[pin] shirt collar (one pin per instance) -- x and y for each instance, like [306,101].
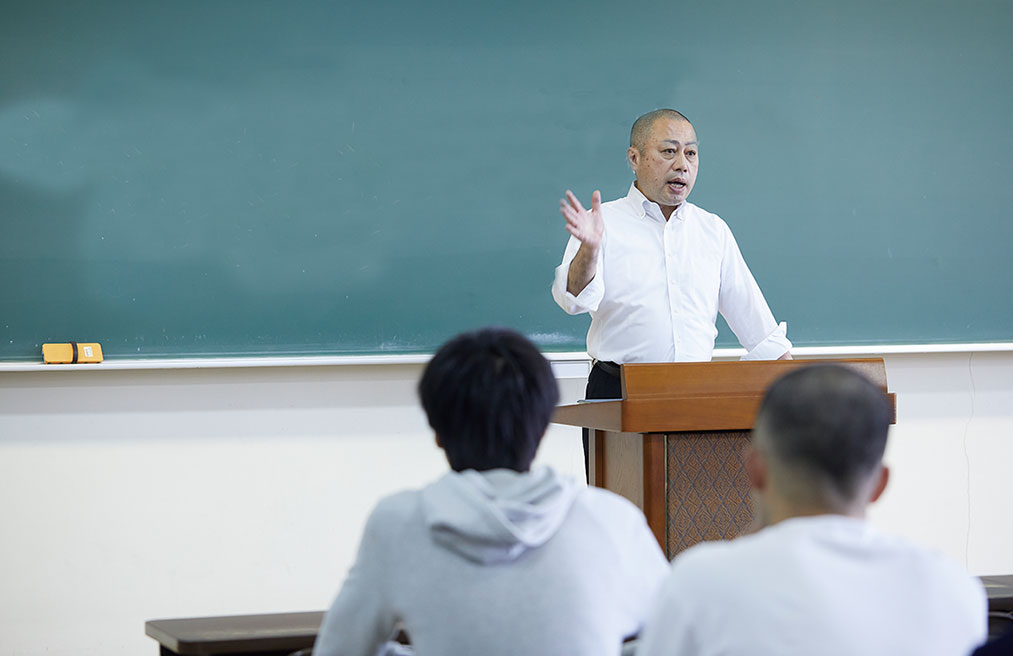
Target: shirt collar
[640,203]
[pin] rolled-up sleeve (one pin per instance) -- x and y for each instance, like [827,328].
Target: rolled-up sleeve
[773,345]
[590,297]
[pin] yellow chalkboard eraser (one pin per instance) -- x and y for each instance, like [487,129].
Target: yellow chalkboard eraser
[71,353]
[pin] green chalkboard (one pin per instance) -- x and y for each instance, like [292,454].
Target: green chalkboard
[220,178]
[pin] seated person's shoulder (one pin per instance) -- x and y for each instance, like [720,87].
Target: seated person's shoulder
[614,515]
[609,503]
[395,511]
[720,566]
[712,558]
[933,568]
[399,503]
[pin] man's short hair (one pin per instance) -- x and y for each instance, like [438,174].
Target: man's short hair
[489,395]
[826,423]
[641,129]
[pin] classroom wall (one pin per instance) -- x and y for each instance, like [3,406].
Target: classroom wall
[140,494]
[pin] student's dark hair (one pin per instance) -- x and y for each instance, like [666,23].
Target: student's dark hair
[641,129]
[827,421]
[489,395]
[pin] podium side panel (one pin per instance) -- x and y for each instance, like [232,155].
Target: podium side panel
[624,466]
[655,486]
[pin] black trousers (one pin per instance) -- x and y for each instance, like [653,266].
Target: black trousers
[602,383]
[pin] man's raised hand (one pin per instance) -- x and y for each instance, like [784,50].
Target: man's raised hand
[587,226]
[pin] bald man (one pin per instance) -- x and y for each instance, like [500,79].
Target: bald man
[653,270]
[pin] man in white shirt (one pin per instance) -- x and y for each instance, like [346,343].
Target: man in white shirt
[816,578]
[654,270]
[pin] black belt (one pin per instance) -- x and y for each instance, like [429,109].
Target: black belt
[611,368]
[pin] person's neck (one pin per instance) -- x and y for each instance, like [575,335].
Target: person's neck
[776,511]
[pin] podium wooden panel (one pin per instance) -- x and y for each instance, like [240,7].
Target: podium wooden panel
[673,444]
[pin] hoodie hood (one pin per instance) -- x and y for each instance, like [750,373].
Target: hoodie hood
[495,516]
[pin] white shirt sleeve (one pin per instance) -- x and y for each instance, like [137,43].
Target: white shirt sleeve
[741,303]
[773,345]
[591,296]
[671,628]
[645,568]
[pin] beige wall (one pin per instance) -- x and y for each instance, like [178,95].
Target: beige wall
[136,494]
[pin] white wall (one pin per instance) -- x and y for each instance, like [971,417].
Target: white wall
[138,494]
[950,456]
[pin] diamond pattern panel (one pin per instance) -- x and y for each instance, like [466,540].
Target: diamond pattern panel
[708,490]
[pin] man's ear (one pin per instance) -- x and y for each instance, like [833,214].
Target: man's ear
[756,469]
[633,157]
[438,442]
[884,478]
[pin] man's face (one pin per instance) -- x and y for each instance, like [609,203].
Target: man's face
[666,164]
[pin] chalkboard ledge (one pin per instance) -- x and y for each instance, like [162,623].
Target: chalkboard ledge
[566,365]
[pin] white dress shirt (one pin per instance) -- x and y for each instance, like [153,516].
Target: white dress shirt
[828,585]
[659,285]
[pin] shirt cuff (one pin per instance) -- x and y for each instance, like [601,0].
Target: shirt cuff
[586,301]
[773,345]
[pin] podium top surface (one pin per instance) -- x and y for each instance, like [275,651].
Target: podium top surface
[696,396]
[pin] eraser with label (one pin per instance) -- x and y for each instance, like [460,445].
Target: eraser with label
[71,353]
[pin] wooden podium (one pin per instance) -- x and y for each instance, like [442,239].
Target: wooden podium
[673,444]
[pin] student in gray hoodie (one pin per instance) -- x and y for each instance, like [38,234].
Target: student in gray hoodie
[493,557]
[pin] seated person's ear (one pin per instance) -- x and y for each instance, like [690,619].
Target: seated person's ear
[884,478]
[756,469]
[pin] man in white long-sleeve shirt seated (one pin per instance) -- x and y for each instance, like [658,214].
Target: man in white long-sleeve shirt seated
[817,578]
[494,557]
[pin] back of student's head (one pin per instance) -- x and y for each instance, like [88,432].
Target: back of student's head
[489,395]
[824,426]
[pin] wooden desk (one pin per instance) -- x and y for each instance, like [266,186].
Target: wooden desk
[280,634]
[276,634]
[1000,593]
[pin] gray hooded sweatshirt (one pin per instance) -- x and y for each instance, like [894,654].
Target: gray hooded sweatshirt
[498,562]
